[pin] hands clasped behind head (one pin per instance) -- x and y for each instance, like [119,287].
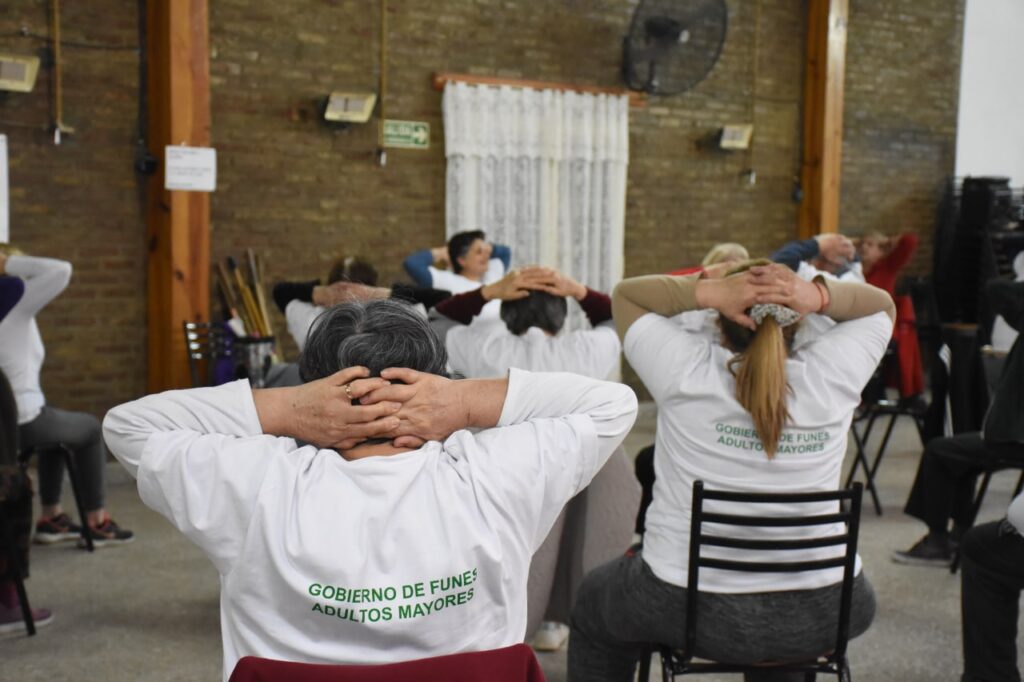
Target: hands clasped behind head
[417,408]
[760,284]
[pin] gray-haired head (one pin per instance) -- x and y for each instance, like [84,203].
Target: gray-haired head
[539,309]
[374,334]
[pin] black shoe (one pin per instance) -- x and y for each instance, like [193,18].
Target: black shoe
[108,533]
[56,529]
[929,551]
[914,404]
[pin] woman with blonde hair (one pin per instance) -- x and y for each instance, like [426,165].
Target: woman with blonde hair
[743,410]
[725,252]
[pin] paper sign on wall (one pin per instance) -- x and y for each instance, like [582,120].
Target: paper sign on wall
[193,169]
[5,215]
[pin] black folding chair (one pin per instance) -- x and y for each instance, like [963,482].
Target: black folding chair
[680,661]
[205,344]
[876,405]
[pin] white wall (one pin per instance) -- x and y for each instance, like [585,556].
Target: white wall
[4,211]
[990,129]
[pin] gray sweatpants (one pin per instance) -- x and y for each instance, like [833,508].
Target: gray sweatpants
[623,606]
[82,433]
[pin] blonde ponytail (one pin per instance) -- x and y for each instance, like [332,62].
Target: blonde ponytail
[761,386]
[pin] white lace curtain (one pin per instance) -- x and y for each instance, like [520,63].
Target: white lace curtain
[543,171]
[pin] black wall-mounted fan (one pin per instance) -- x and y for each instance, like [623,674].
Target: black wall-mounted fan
[673,44]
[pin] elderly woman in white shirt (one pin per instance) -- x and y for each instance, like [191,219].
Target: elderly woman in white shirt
[394,532]
[745,412]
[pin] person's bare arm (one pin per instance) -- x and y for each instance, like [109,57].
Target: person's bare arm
[321,412]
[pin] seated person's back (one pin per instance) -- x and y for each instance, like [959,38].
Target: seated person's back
[374,553]
[530,334]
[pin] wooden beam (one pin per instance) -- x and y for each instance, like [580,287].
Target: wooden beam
[178,223]
[636,99]
[823,116]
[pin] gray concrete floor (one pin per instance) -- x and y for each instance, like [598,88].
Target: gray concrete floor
[149,610]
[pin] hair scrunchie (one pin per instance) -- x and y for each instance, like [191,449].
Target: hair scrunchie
[783,316]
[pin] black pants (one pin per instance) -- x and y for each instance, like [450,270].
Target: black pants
[992,577]
[643,466]
[946,478]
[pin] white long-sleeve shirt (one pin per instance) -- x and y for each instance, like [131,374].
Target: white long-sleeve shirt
[21,346]
[486,348]
[300,316]
[704,433]
[379,559]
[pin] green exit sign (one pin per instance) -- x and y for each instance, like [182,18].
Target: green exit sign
[406,134]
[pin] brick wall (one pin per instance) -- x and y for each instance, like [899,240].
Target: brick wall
[80,201]
[301,193]
[899,126]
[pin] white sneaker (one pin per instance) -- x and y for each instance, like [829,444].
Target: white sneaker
[551,636]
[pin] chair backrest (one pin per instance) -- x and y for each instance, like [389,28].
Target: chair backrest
[874,389]
[992,362]
[205,343]
[8,423]
[515,663]
[699,538]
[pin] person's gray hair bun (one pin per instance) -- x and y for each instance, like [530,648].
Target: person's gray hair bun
[783,316]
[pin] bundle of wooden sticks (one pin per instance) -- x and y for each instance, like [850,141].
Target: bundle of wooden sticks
[245,299]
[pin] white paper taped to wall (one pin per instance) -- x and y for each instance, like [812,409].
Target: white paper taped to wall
[5,213]
[193,169]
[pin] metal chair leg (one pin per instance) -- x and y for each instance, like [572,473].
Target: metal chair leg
[69,461]
[861,457]
[645,665]
[919,423]
[667,673]
[878,458]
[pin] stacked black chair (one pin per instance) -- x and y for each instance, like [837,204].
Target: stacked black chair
[205,344]
[848,501]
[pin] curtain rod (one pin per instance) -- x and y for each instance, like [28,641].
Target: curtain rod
[636,99]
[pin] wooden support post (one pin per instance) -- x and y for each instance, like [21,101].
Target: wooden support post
[823,116]
[178,223]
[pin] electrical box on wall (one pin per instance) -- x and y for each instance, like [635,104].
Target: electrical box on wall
[349,107]
[18,72]
[736,136]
